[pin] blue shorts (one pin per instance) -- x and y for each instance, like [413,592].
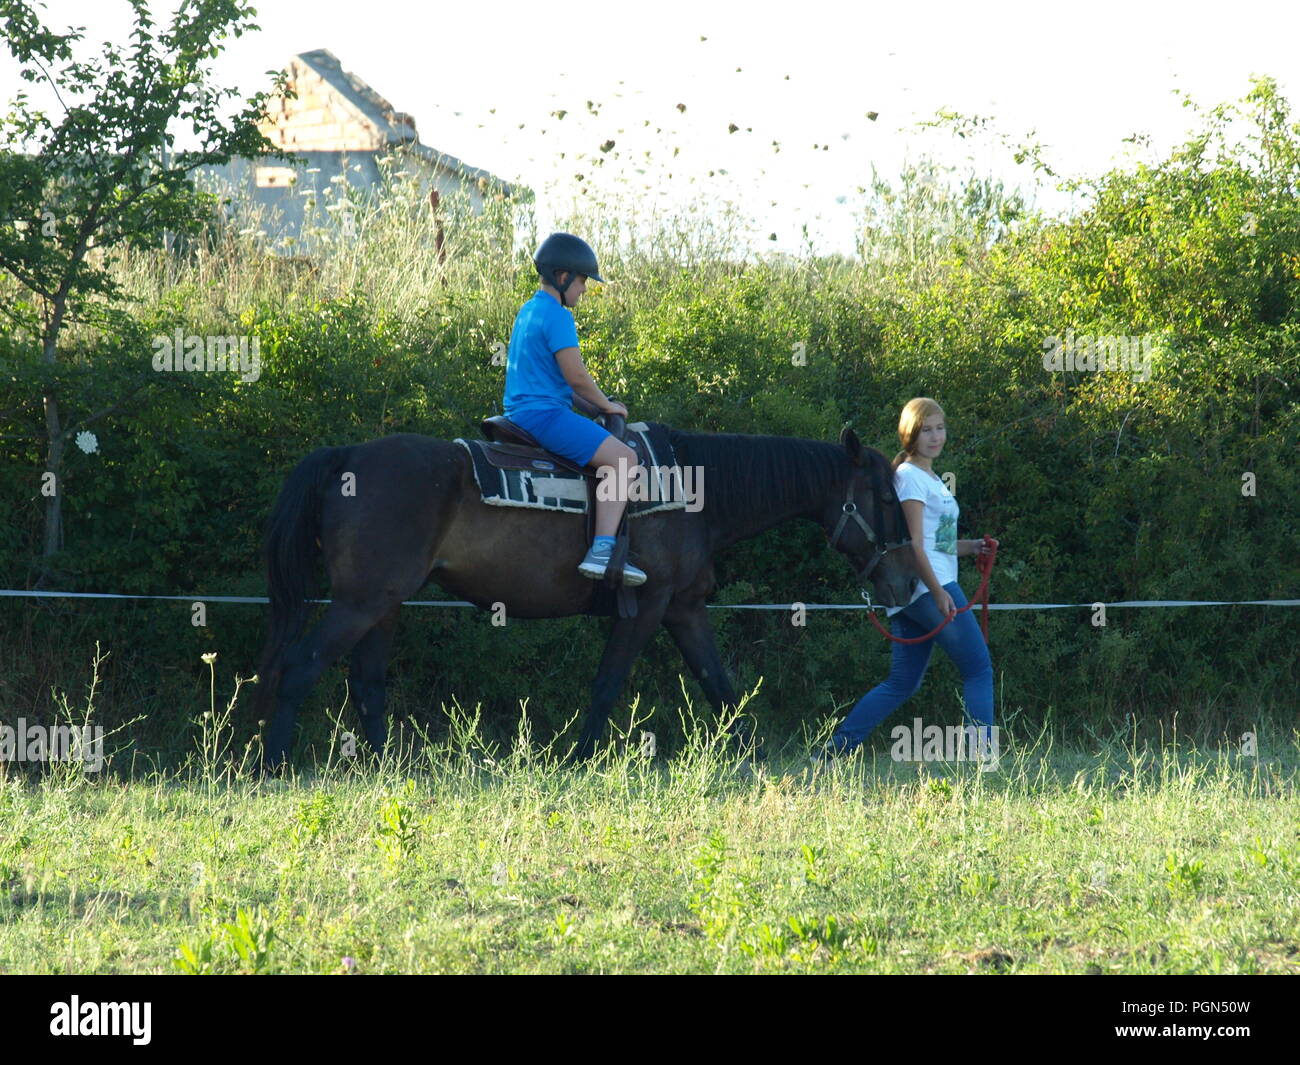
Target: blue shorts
[563,431]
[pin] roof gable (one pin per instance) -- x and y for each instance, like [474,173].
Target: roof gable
[334,110]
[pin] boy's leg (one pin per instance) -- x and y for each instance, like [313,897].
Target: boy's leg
[582,441]
[613,460]
[616,464]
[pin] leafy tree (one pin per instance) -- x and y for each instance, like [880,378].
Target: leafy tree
[102,176]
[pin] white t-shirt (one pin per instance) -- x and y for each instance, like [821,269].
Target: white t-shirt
[939,524]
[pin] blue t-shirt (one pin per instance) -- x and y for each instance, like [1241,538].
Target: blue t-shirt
[533,378]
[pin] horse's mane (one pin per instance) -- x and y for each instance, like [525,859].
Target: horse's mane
[778,472]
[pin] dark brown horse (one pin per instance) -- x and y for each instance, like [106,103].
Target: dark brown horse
[391,514]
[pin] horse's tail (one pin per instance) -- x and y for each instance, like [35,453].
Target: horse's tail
[291,552]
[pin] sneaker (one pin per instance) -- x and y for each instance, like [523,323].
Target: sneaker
[825,757]
[597,559]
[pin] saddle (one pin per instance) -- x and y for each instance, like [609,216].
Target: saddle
[513,448]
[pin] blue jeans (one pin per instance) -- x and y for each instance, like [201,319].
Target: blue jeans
[965,645]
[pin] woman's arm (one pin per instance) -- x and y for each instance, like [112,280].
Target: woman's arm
[970,547]
[914,511]
[580,380]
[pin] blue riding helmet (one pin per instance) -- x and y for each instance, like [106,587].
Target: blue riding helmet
[564,251]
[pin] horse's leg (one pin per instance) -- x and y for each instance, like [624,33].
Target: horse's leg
[366,678]
[688,624]
[339,630]
[625,643]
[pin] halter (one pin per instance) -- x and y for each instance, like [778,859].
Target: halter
[850,511]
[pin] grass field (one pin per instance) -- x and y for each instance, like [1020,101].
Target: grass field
[1122,858]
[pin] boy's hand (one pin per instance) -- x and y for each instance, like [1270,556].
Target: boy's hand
[615,408]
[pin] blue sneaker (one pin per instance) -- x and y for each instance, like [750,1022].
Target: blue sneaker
[822,758]
[597,559]
[827,756]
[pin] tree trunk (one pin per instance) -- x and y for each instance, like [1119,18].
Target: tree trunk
[54,433]
[54,465]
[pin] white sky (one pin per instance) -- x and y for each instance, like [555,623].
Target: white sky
[1083,76]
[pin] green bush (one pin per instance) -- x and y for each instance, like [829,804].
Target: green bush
[1100,487]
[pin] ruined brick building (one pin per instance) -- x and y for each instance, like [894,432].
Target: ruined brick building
[341,128]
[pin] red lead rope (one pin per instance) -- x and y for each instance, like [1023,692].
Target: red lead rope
[985,565]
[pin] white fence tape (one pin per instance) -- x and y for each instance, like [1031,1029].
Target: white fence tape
[22,594]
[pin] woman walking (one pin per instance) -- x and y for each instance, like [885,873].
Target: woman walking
[931,512]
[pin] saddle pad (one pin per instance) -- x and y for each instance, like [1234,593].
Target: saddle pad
[546,485]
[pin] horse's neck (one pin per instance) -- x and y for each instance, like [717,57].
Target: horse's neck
[739,527]
[802,499]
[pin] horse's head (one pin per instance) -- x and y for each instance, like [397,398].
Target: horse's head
[867,525]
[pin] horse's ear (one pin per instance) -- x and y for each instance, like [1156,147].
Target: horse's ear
[850,442]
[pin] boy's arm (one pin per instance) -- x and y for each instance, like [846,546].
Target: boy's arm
[575,373]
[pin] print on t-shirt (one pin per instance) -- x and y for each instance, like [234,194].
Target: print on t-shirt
[945,536]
